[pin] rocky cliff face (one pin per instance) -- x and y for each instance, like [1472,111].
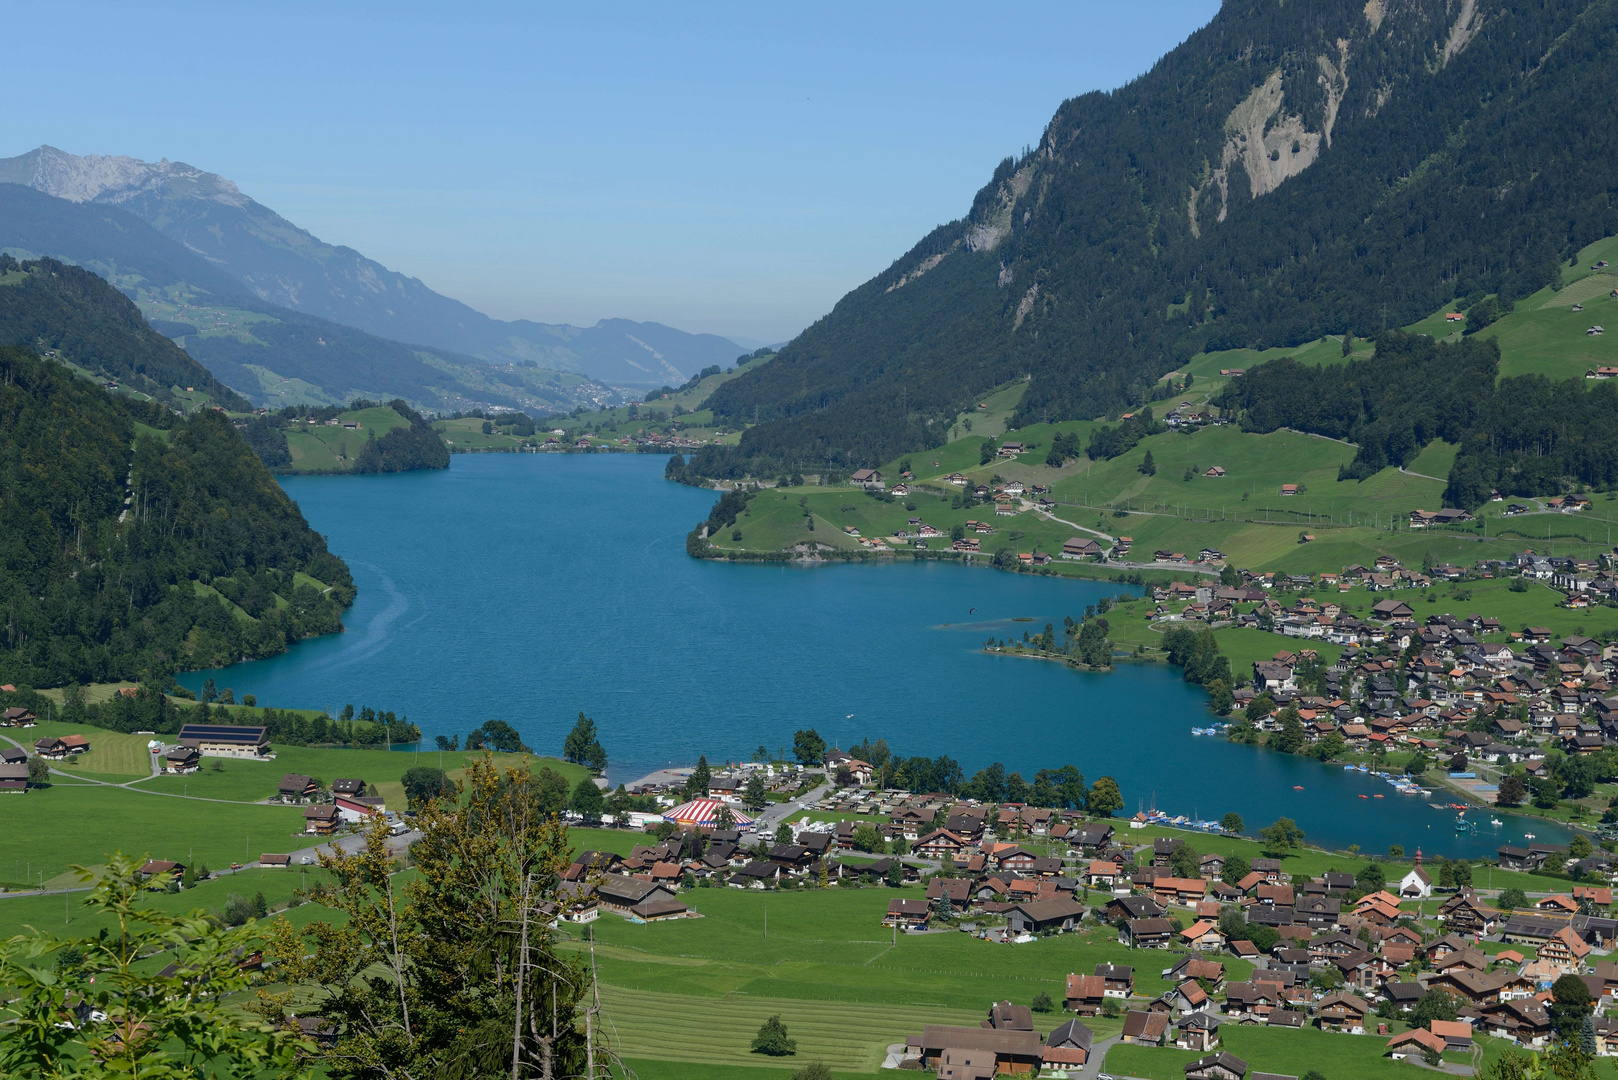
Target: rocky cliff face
[98,178]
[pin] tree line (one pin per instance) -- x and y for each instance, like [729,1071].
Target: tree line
[1527,435]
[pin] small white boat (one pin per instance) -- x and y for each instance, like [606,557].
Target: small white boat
[1496,822]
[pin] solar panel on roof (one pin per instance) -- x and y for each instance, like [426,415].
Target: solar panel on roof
[226,731]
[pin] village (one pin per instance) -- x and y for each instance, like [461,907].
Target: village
[1400,950]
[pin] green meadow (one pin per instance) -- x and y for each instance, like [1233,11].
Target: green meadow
[241,780]
[829,945]
[50,829]
[318,448]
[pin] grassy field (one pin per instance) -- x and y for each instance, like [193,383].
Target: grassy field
[318,448]
[68,915]
[111,753]
[649,1024]
[50,829]
[829,945]
[250,781]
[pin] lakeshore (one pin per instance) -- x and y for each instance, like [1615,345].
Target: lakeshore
[420,638]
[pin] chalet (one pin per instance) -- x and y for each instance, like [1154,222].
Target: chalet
[55,749]
[1119,979]
[958,890]
[1204,936]
[1289,489]
[1156,933]
[1068,1046]
[1221,1065]
[17,717]
[1466,914]
[866,478]
[295,787]
[1009,1052]
[1199,1031]
[638,899]
[1565,950]
[14,775]
[1086,994]
[349,786]
[1101,874]
[1132,907]
[1187,998]
[940,844]
[1415,1043]
[1045,916]
[1522,1020]
[1143,1028]
[908,914]
[181,760]
[1013,859]
[1080,547]
[320,820]
[1342,1011]
[1209,973]
[153,867]
[756,874]
[1252,1002]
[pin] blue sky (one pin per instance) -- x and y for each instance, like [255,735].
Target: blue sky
[724,168]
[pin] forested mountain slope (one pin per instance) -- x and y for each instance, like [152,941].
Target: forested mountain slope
[272,355]
[279,263]
[70,311]
[1290,170]
[135,542]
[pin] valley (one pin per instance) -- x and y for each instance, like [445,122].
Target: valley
[1151,615]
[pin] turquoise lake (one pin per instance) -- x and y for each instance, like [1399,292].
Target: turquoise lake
[529,587]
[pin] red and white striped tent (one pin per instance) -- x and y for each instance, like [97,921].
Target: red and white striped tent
[699,812]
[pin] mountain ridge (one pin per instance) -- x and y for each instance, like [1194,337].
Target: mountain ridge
[1322,167]
[280,263]
[258,348]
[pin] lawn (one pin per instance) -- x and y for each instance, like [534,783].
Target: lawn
[49,829]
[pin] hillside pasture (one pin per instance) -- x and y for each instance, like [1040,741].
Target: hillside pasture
[52,828]
[242,780]
[111,753]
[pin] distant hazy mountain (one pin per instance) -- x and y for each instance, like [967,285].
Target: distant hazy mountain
[282,264]
[272,355]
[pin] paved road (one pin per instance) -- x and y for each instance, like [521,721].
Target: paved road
[1098,1058]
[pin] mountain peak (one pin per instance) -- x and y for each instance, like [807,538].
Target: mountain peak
[113,179]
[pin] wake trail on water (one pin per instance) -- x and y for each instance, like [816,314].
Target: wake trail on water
[379,631]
